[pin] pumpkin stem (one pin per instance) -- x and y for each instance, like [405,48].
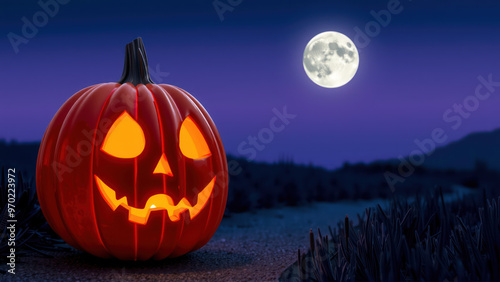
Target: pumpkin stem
[135,69]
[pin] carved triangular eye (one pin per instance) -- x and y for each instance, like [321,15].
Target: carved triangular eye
[191,141]
[125,138]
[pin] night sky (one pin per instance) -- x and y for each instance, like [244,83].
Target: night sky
[425,60]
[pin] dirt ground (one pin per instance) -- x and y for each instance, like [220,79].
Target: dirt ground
[247,247]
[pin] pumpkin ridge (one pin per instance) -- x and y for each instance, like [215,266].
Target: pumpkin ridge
[52,153]
[136,236]
[59,189]
[220,149]
[182,167]
[98,231]
[160,243]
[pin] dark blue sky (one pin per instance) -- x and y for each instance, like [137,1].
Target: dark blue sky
[427,59]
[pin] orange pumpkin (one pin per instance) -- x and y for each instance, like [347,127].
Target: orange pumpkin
[133,170]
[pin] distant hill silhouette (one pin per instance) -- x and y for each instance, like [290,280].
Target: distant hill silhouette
[473,151]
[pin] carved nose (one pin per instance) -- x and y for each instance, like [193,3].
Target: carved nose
[163,166]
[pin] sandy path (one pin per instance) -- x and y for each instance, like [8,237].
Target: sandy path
[249,246]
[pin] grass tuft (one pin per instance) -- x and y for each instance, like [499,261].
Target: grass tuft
[423,240]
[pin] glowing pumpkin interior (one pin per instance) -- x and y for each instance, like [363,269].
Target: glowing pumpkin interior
[125,139]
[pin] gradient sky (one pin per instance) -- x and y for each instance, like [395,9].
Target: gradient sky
[423,62]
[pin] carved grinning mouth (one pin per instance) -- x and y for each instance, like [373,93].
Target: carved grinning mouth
[156,202]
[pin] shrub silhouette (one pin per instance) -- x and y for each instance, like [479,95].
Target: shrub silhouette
[32,231]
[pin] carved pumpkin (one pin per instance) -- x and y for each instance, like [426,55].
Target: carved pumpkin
[133,170]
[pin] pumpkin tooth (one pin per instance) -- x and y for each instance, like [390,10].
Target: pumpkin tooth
[109,195]
[120,195]
[156,202]
[203,198]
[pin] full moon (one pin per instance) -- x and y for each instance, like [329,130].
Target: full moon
[331,59]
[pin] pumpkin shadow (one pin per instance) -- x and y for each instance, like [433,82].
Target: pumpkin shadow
[199,261]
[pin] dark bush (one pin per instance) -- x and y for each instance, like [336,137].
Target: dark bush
[32,231]
[291,195]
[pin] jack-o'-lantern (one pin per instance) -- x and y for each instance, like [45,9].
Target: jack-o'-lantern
[133,170]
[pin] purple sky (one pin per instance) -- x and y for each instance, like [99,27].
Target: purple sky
[427,59]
